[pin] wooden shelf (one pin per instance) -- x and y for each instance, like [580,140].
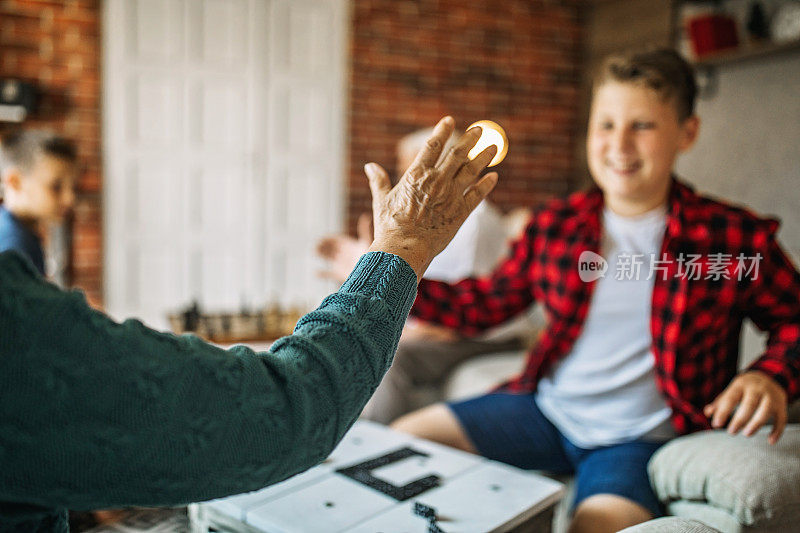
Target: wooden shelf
[740,54]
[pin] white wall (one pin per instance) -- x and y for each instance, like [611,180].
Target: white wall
[749,146]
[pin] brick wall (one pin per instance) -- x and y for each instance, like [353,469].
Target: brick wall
[516,62]
[56,45]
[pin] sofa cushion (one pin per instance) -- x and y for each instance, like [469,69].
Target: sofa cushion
[746,477]
[793,416]
[670,524]
[481,374]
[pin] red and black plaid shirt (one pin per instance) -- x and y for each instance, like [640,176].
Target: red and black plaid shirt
[695,323]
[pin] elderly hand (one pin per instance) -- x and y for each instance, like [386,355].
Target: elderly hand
[759,398]
[419,216]
[342,251]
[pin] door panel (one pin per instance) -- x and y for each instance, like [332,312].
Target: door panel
[224,151]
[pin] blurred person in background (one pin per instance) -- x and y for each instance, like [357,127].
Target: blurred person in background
[37,174]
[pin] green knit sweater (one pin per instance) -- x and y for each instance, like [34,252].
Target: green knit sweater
[96,414]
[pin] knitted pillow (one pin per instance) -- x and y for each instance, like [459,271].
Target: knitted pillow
[757,484]
[670,524]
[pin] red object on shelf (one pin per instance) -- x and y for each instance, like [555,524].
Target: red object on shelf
[711,33]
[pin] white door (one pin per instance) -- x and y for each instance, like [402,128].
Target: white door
[224,151]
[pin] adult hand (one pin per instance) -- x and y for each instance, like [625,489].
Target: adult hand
[759,399]
[419,216]
[342,251]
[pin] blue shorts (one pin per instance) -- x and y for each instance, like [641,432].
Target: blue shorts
[510,428]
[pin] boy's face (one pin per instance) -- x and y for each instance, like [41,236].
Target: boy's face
[633,140]
[46,192]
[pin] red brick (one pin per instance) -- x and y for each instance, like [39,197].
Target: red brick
[412,62]
[515,62]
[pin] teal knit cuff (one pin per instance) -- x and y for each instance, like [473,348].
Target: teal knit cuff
[386,277]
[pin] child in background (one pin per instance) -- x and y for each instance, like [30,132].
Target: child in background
[37,173]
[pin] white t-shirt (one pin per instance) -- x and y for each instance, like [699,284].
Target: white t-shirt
[604,392]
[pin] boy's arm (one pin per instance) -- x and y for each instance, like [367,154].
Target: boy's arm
[761,393]
[99,414]
[476,304]
[775,308]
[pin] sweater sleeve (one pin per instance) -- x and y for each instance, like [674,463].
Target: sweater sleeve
[99,414]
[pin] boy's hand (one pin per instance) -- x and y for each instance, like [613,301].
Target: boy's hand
[418,330]
[419,216]
[342,251]
[759,398]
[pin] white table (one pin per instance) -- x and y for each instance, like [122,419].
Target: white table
[467,492]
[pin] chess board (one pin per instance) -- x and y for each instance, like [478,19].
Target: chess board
[379,480]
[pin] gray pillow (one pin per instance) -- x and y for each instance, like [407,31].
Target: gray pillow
[670,524]
[754,482]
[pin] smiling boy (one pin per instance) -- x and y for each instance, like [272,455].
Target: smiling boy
[37,172]
[638,356]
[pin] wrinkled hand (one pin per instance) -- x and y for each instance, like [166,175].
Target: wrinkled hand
[343,251]
[419,216]
[759,398]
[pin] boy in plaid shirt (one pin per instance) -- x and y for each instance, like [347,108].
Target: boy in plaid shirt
[645,284]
